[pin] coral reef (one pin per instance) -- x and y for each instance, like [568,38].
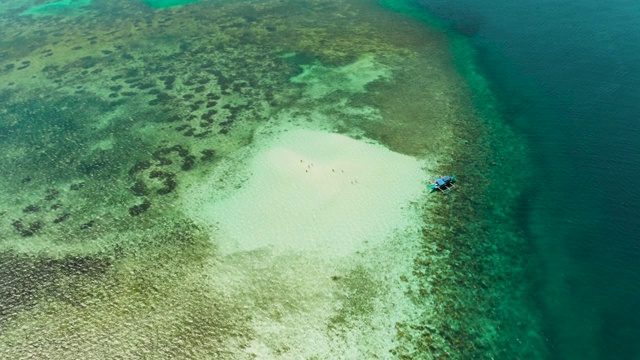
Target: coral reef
[112,109]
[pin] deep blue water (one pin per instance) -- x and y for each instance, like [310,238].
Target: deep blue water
[568,72]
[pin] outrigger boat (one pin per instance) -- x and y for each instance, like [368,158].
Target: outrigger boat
[443,183]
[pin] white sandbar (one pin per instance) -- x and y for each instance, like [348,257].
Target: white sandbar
[318,191]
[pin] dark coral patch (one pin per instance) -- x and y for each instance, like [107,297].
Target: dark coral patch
[24,65]
[203,134]
[51,70]
[87,62]
[96,163]
[174,118]
[31,209]
[77,186]
[188,162]
[144,86]
[160,153]
[131,75]
[27,230]
[208,117]
[87,225]
[139,188]
[51,194]
[61,218]
[163,98]
[169,185]
[139,166]
[207,155]
[136,210]
[157,174]
[163,161]
[168,81]
[168,179]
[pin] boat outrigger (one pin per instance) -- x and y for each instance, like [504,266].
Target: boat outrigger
[443,183]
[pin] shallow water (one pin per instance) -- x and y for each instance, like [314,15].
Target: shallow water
[118,114]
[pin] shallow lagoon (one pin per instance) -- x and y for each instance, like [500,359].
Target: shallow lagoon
[120,115]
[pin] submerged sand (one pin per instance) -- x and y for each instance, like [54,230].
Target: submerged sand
[328,216]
